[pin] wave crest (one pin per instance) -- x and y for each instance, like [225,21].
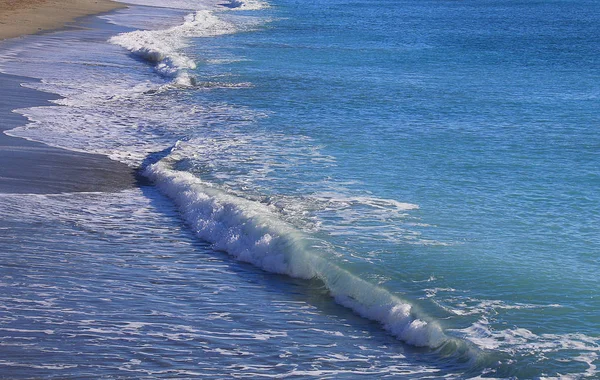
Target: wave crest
[163,48]
[250,231]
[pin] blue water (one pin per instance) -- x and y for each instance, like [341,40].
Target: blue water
[341,188]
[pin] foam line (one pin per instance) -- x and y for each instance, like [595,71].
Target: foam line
[252,232]
[164,48]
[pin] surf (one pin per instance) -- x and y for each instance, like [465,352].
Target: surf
[252,232]
[163,48]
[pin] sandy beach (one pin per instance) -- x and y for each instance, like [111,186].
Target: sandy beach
[30,167]
[19,17]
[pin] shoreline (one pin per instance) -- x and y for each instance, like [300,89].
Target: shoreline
[22,17]
[28,167]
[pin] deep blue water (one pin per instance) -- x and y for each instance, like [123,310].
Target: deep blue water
[414,183]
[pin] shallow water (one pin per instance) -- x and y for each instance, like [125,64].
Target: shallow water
[113,285]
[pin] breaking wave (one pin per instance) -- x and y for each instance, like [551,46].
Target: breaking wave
[164,48]
[252,232]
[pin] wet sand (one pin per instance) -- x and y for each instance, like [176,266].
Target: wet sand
[31,167]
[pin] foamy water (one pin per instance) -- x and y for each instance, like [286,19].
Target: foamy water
[112,284]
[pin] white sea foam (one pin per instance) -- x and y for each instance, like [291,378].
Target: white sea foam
[185,318]
[253,232]
[521,341]
[202,4]
[287,172]
[456,302]
[164,48]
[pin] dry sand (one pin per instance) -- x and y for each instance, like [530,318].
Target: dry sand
[19,17]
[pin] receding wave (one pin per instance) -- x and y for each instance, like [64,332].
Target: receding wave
[252,232]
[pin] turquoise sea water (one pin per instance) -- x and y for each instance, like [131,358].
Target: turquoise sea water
[341,188]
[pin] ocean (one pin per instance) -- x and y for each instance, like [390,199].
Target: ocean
[335,188]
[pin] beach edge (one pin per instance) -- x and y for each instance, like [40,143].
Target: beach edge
[35,168]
